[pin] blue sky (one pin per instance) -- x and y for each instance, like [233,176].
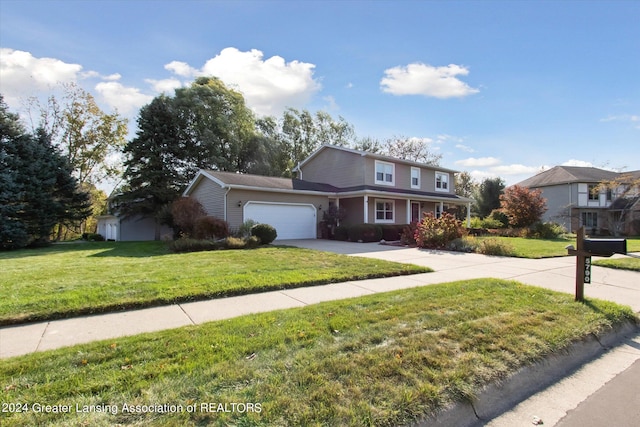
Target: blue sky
[499,88]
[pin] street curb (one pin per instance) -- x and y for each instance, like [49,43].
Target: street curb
[496,399]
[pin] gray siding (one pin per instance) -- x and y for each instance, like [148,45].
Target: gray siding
[141,228]
[559,200]
[335,167]
[211,197]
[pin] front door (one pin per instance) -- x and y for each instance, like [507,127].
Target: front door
[415,211]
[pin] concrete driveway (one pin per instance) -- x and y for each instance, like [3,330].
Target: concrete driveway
[619,286]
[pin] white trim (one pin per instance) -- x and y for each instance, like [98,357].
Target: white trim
[393,211]
[416,186]
[384,173]
[448,182]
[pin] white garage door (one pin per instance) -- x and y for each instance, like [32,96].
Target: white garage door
[291,221]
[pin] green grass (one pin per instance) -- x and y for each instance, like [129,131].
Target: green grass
[384,359]
[71,279]
[632,264]
[533,248]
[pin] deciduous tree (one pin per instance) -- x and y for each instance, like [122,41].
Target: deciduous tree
[523,206]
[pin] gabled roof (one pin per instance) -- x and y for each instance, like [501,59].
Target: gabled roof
[260,182]
[568,174]
[372,155]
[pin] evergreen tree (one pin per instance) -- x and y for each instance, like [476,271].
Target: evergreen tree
[154,166]
[41,191]
[487,196]
[13,233]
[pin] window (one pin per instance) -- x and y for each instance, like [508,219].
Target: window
[590,219]
[385,173]
[442,181]
[384,210]
[415,177]
[438,211]
[593,195]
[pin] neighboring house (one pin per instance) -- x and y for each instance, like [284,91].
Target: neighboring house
[573,202]
[370,188]
[114,227]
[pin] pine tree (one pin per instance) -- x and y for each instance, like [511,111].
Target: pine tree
[154,168]
[40,190]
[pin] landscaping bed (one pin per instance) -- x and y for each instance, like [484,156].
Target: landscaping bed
[384,359]
[92,277]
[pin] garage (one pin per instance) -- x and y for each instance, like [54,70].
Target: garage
[291,220]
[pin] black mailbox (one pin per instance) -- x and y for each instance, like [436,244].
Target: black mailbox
[605,247]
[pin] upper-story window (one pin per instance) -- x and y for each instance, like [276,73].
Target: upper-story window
[415,177]
[442,181]
[385,173]
[593,194]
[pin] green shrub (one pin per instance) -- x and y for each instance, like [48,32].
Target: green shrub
[546,230]
[209,227]
[435,232]
[463,244]
[495,247]
[244,231]
[392,232]
[251,242]
[498,218]
[265,232]
[341,233]
[92,237]
[365,233]
[194,245]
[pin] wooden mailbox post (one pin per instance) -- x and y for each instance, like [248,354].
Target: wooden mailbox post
[583,251]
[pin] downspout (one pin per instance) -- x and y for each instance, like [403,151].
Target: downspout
[225,203]
[468,214]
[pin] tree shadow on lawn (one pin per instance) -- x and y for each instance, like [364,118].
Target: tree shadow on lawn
[106,249]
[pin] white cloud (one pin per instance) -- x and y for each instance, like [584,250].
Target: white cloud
[625,118]
[478,162]
[125,99]
[181,68]
[426,80]
[465,148]
[574,162]
[268,85]
[514,169]
[165,85]
[23,75]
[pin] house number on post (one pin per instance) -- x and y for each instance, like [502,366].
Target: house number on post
[587,269]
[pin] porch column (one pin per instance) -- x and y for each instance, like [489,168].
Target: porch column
[408,211]
[441,208]
[366,209]
[468,214]
[338,209]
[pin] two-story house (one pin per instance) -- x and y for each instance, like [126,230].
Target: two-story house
[574,198]
[368,187]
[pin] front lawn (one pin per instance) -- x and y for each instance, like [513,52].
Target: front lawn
[533,248]
[80,278]
[620,263]
[384,359]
